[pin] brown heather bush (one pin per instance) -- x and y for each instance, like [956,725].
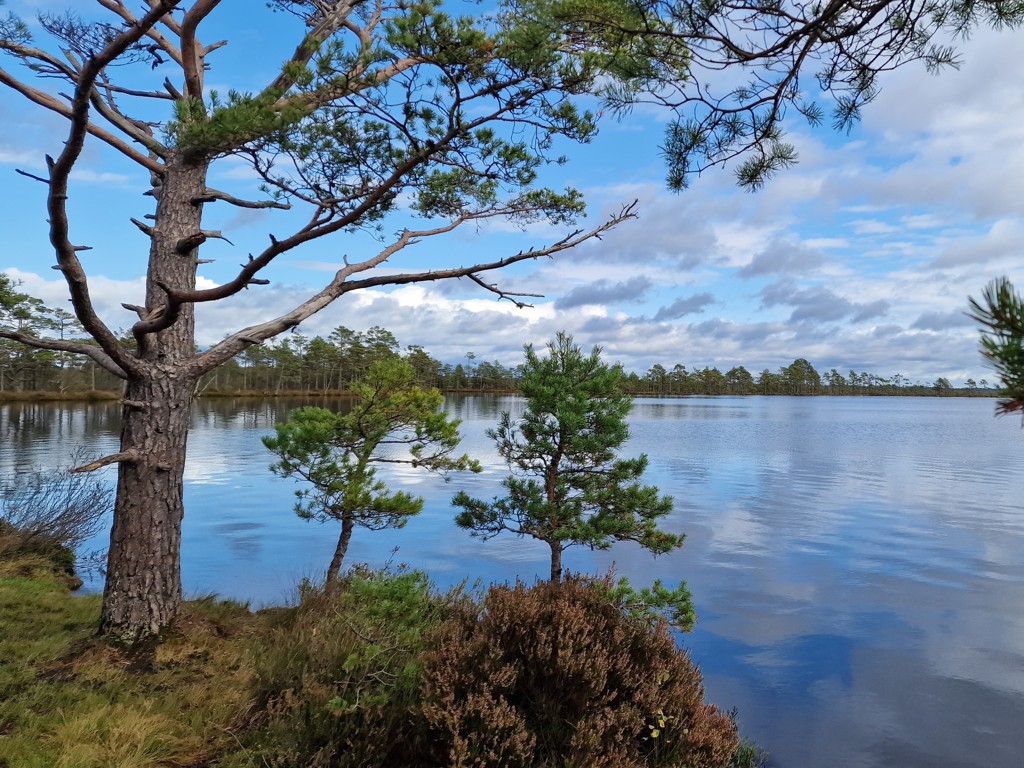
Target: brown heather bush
[557,675]
[389,674]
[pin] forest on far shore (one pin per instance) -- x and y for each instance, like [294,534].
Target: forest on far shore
[298,365]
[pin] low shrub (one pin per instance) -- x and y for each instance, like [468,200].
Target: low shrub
[337,680]
[560,674]
[49,514]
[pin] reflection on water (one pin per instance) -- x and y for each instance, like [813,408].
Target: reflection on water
[38,435]
[857,562]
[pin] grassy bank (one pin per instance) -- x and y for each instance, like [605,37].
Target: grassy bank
[69,700]
[385,673]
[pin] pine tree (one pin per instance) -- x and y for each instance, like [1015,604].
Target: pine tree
[392,421]
[567,486]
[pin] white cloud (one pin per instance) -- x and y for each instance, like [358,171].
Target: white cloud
[99,177]
[22,157]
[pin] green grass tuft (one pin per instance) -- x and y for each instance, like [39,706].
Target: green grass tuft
[68,700]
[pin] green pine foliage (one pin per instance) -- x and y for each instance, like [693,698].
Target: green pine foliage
[392,421]
[1001,312]
[567,486]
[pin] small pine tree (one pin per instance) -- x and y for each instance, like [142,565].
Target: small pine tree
[393,421]
[567,486]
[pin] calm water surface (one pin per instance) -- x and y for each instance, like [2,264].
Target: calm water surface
[857,563]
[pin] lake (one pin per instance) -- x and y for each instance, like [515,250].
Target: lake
[857,563]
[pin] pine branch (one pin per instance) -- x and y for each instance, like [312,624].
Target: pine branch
[341,285]
[60,172]
[96,354]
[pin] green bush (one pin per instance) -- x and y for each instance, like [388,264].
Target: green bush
[559,674]
[337,681]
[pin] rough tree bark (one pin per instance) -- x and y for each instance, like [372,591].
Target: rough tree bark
[143,586]
[556,560]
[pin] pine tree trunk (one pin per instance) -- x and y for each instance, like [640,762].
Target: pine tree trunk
[556,560]
[339,553]
[143,587]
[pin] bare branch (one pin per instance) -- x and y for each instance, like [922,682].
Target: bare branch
[137,130]
[171,90]
[503,294]
[47,101]
[108,109]
[115,458]
[168,21]
[32,176]
[60,171]
[192,53]
[112,88]
[189,243]
[145,228]
[161,317]
[341,285]
[213,195]
[153,34]
[97,355]
[168,315]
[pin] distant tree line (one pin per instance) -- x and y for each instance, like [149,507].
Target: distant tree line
[297,364]
[797,378]
[27,369]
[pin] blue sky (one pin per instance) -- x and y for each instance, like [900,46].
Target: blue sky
[862,257]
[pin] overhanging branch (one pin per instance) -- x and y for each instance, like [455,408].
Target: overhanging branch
[60,171]
[341,285]
[97,355]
